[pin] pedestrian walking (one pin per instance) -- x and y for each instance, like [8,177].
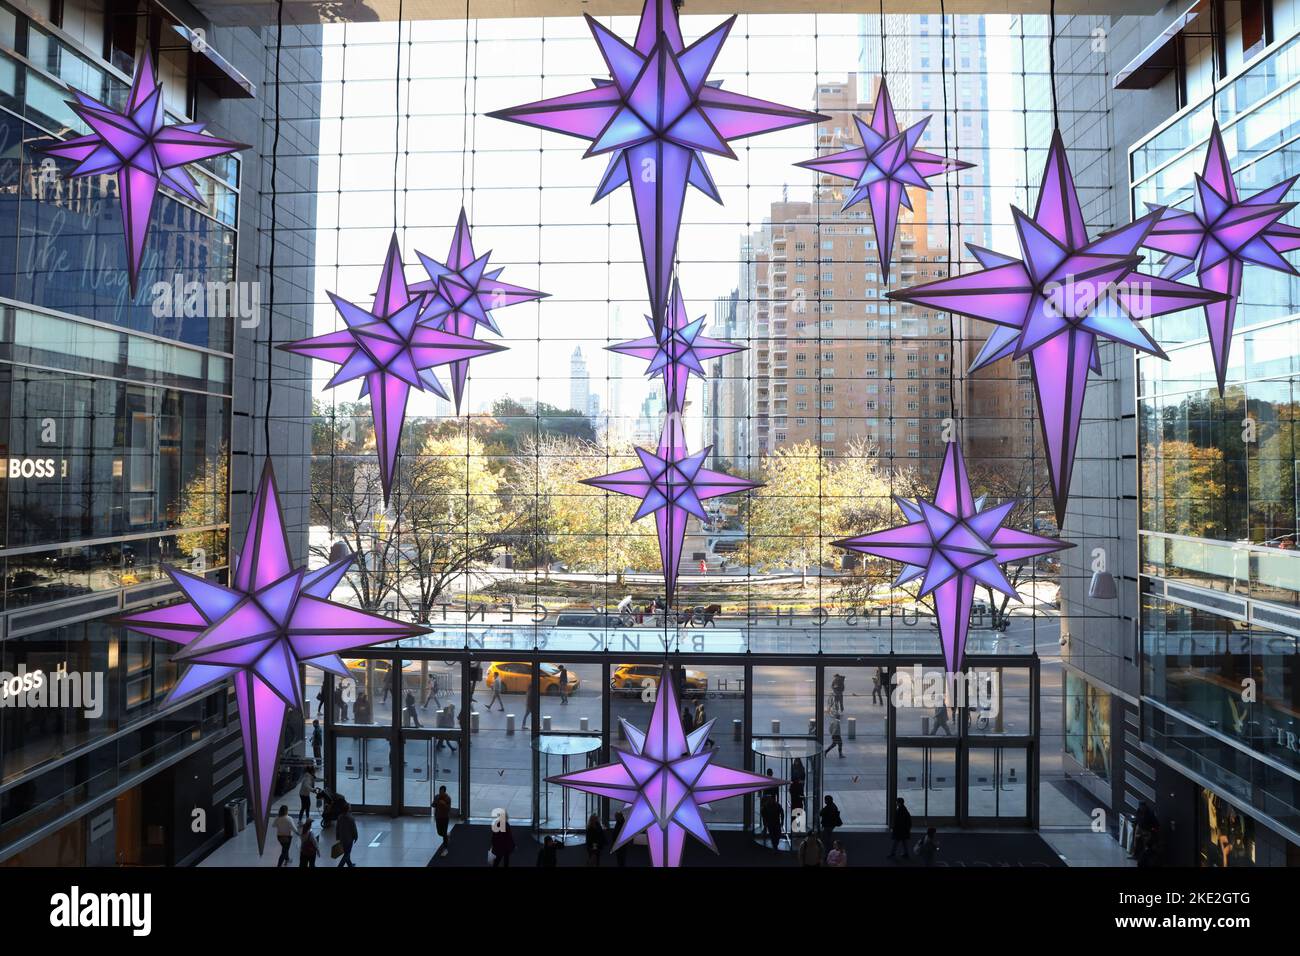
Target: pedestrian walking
[621,853]
[317,741]
[901,830]
[320,702]
[564,684]
[702,718]
[503,843]
[928,846]
[837,741]
[498,686]
[595,840]
[530,703]
[810,850]
[829,818]
[412,715]
[837,856]
[837,693]
[442,819]
[770,813]
[940,719]
[345,832]
[547,854]
[431,693]
[284,827]
[308,848]
[878,687]
[305,789]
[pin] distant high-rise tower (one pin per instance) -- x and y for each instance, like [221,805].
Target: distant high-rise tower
[579,382]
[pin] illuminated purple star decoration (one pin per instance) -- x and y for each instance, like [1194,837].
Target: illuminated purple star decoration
[461,293]
[1220,236]
[659,113]
[888,161]
[393,352]
[671,484]
[143,151]
[258,630]
[1056,301]
[953,545]
[678,350]
[666,777]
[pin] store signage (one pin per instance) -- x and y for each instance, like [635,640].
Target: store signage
[16,468]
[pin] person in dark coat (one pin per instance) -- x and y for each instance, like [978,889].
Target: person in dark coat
[530,703]
[830,818]
[770,813]
[442,819]
[901,831]
[548,854]
[621,853]
[345,831]
[316,741]
[503,843]
[595,840]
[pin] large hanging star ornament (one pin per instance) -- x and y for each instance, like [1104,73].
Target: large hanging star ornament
[461,293]
[671,484]
[666,776]
[271,618]
[953,544]
[1221,234]
[659,114]
[393,352]
[143,150]
[883,167]
[1056,301]
[678,350]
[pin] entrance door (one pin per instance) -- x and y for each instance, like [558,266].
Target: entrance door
[927,781]
[363,772]
[427,764]
[997,784]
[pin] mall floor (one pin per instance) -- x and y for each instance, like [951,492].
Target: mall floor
[410,842]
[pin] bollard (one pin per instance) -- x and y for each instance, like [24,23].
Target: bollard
[446,716]
[776,727]
[584,724]
[925,726]
[812,726]
[473,722]
[510,724]
[736,729]
[853,727]
[546,723]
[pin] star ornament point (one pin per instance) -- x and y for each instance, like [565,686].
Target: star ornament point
[391,352]
[257,630]
[1221,235]
[657,116]
[883,168]
[672,484]
[952,544]
[1056,301]
[678,350]
[665,776]
[143,151]
[461,293]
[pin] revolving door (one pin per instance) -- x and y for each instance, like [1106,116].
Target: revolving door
[562,812]
[797,760]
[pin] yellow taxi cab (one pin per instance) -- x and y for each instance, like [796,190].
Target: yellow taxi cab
[517,675]
[632,677]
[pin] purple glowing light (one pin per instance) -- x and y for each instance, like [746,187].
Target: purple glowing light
[952,543]
[678,351]
[143,151]
[1056,301]
[461,293]
[1220,236]
[672,483]
[666,776]
[657,116]
[392,351]
[883,167]
[271,618]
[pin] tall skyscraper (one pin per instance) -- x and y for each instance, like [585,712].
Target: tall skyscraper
[579,382]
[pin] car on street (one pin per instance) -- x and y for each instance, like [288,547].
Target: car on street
[517,675]
[631,678]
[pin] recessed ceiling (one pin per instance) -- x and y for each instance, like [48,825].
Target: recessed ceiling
[237,12]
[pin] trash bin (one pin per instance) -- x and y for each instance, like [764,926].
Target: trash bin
[241,813]
[231,817]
